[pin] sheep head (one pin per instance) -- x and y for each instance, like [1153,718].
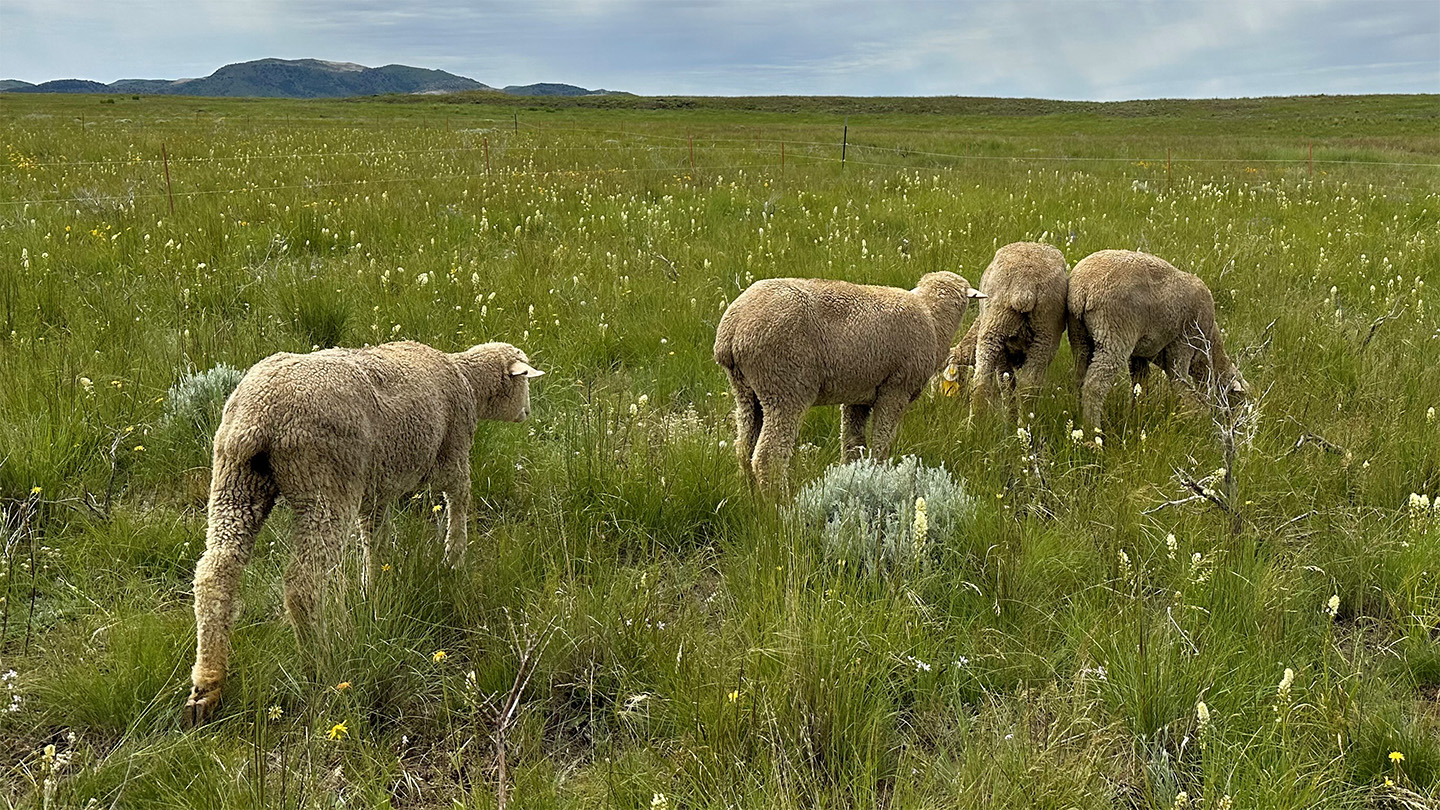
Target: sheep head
[947,295]
[500,375]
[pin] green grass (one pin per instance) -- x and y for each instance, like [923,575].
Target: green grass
[686,639]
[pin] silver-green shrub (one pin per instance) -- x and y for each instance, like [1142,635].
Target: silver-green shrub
[195,401]
[866,510]
[193,407]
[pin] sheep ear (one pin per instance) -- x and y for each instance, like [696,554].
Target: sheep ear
[520,367]
[974,293]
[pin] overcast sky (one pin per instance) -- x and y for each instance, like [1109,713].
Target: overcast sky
[1070,49]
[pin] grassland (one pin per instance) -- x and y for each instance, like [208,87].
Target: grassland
[677,642]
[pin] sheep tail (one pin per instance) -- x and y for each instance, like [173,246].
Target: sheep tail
[243,453]
[1022,300]
[724,350]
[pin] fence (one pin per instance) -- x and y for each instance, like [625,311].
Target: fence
[756,153]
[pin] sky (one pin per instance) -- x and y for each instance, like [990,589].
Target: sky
[1101,50]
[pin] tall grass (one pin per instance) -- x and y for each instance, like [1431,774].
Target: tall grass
[689,645]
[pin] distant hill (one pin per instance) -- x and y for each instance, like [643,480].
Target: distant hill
[547,89]
[65,86]
[297,78]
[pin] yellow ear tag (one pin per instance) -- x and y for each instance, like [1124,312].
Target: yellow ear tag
[948,385]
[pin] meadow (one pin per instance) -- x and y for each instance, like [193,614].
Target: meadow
[1202,610]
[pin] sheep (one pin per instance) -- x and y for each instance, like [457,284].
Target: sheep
[790,343]
[1018,330]
[1127,309]
[340,434]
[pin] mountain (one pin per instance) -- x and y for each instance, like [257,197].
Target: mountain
[547,89]
[65,86]
[297,78]
[312,78]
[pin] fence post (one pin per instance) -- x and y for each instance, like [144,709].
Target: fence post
[517,121]
[844,141]
[165,157]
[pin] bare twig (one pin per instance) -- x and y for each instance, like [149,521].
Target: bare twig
[1247,353]
[1177,502]
[1306,437]
[1200,491]
[527,651]
[1396,310]
[102,508]
[672,273]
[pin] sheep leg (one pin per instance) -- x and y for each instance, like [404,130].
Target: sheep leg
[779,430]
[371,519]
[1030,377]
[1105,367]
[240,500]
[748,424]
[457,515]
[1082,346]
[321,523]
[989,364]
[1139,370]
[853,419]
[1180,363]
[962,356]
[885,417]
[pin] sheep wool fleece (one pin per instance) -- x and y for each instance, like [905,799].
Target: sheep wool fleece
[339,434]
[1020,324]
[1127,309]
[790,343]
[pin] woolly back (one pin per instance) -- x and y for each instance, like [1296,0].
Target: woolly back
[1023,275]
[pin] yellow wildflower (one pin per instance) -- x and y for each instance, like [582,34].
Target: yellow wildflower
[438,656]
[1397,757]
[342,686]
[338,731]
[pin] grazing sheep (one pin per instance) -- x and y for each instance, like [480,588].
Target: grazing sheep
[1128,309]
[1018,330]
[790,343]
[339,434]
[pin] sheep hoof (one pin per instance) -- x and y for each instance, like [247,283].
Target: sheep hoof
[200,706]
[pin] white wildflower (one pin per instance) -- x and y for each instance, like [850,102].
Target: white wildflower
[922,524]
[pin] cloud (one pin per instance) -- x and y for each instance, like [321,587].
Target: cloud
[1098,49]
